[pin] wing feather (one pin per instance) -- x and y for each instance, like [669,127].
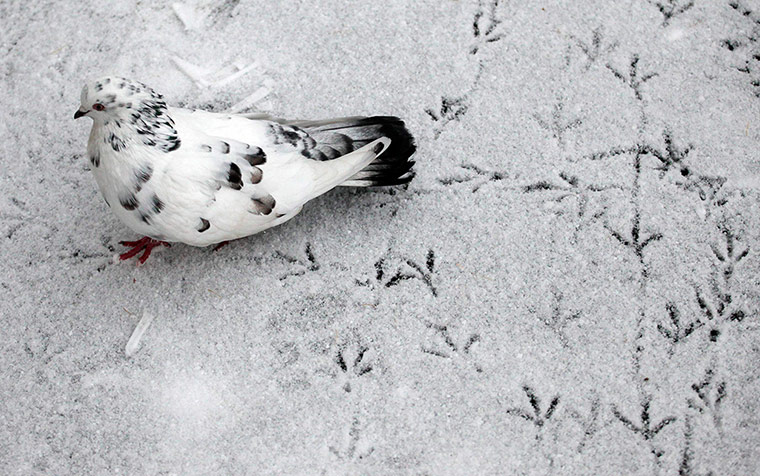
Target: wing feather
[273,157]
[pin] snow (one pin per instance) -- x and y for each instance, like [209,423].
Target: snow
[569,285]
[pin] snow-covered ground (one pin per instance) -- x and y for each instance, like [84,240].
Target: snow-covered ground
[569,286]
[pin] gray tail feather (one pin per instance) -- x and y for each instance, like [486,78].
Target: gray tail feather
[392,167]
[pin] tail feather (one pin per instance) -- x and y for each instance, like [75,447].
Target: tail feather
[342,136]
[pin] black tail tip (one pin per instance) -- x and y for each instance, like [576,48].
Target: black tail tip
[394,165]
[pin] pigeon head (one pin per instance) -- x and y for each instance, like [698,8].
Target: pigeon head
[138,113]
[114,97]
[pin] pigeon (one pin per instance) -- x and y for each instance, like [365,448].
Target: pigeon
[204,178]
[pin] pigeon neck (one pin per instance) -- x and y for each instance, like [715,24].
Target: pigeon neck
[150,127]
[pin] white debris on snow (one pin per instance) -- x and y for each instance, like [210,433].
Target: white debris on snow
[190,15]
[134,340]
[229,74]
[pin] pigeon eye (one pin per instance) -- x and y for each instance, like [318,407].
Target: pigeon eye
[98,107]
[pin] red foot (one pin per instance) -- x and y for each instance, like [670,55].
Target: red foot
[221,245]
[145,243]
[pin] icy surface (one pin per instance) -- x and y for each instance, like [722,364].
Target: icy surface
[569,286]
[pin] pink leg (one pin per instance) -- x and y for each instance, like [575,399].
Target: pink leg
[145,244]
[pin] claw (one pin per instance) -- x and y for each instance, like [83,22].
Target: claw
[145,244]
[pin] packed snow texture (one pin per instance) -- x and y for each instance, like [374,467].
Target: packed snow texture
[569,286]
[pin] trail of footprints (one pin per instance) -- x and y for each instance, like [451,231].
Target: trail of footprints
[671,162]
[352,363]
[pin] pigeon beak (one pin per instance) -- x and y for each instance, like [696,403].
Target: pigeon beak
[80,113]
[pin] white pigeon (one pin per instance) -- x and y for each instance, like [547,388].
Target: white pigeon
[201,178]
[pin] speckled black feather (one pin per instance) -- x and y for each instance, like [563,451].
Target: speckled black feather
[234,177]
[129,202]
[151,119]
